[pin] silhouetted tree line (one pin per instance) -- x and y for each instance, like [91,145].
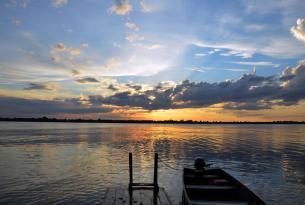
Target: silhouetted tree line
[46,119]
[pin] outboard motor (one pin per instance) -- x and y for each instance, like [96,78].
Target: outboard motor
[199,164]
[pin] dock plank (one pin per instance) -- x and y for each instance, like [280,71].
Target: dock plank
[110,196]
[121,196]
[163,197]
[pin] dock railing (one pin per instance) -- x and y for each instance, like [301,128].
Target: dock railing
[153,185]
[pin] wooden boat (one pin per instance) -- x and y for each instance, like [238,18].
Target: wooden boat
[215,187]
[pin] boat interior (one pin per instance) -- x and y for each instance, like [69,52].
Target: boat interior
[215,187]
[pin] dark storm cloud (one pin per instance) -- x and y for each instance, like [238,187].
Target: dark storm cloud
[40,86]
[87,80]
[293,88]
[247,106]
[250,92]
[12,106]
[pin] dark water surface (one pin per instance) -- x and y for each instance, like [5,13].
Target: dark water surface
[66,163]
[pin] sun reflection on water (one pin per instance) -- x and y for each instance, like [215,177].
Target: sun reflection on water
[75,163]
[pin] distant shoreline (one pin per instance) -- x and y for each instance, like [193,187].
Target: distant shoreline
[45,119]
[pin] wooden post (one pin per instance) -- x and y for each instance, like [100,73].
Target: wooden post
[130,172]
[156,187]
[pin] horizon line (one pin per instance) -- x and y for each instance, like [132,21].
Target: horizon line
[78,120]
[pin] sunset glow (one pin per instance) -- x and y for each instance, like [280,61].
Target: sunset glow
[153,59]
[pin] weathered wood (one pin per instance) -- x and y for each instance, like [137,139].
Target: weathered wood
[122,196]
[156,172]
[142,184]
[119,196]
[110,196]
[130,171]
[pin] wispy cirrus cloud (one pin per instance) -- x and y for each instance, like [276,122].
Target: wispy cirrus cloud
[280,47]
[235,49]
[121,7]
[150,46]
[145,7]
[200,70]
[199,55]
[256,63]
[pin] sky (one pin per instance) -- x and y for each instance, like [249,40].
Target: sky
[153,59]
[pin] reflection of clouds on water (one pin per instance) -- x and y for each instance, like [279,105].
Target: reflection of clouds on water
[74,163]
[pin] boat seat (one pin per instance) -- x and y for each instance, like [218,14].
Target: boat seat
[209,187]
[195,202]
[207,176]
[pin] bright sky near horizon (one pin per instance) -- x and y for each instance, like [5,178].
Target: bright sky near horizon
[153,59]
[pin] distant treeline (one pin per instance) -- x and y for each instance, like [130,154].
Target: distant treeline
[46,119]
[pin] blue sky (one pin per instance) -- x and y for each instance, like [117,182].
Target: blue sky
[55,49]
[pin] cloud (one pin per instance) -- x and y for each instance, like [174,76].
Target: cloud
[134,87]
[236,70]
[247,106]
[111,63]
[275,46]
[211,52]
[200,70]
[134,37]
[116,45]
[132,26]
[87,80]
[199,55]
[41,86]
[55,59]
[20,107]
[257,63]
[59,3]
[74,51]
[293,84]
[237,53]
[16,21]
[60,47]
[250,92]
[111,87]
[75,72]
[254,27]
[228,49]
[61,51]
[84,45]
[24,3]
[150,47]
[121,7]
[144,7]
[298,31]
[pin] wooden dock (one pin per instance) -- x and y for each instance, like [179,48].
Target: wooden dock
[138,193]
[122,196]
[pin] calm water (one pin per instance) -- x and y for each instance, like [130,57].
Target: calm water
[74,163]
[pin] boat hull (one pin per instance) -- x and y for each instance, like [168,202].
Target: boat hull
[215,187]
